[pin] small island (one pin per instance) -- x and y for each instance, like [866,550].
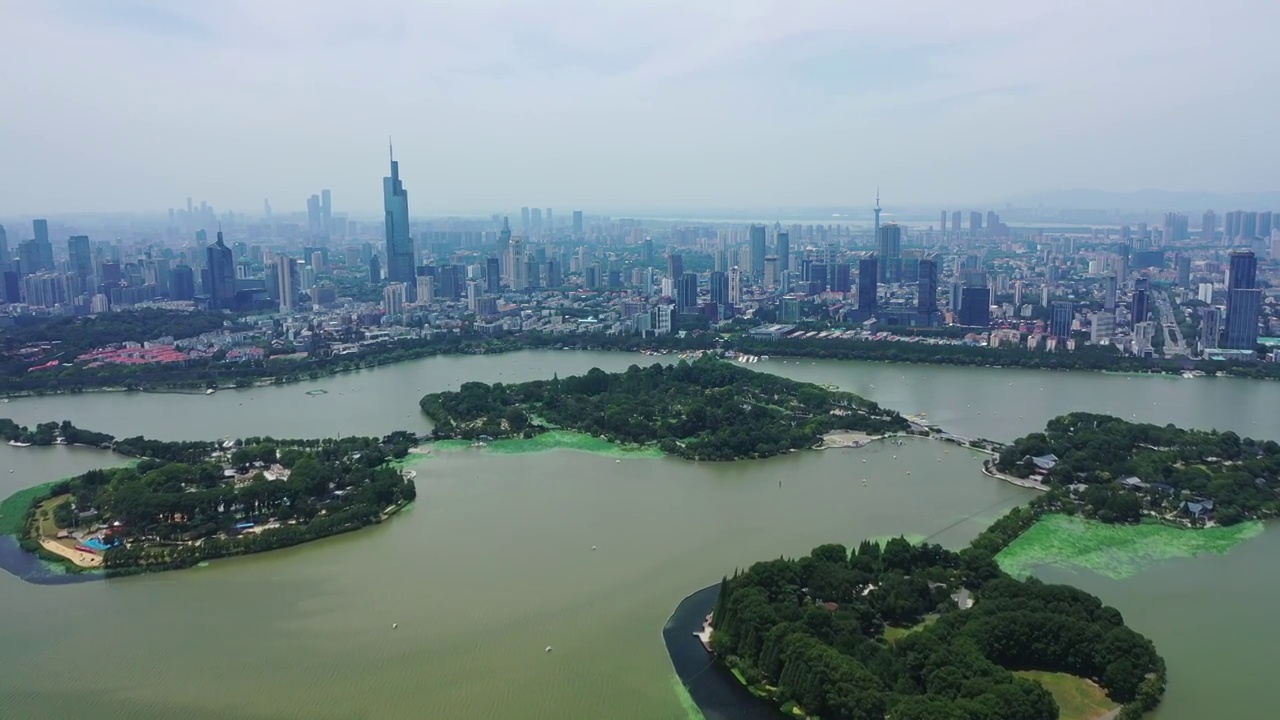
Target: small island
[183,503]
[1115,471]
[707,409]
[919,632]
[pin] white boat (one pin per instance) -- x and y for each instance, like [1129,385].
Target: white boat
[210,391]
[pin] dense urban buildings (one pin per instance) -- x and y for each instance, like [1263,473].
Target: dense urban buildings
[1149,286]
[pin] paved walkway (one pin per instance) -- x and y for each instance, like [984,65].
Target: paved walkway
[1020,482]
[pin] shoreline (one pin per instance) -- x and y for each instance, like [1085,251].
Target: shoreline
[990,472]
[270,380]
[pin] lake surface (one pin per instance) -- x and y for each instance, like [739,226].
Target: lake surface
[494,563]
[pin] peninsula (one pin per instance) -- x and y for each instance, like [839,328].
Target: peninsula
[1113,470]
[186,502]
[707,409]
[919,632]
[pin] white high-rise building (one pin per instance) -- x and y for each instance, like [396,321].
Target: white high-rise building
[735,286]
[1205,293]
[516,261]
[284,278]
[426,289]
[393,296]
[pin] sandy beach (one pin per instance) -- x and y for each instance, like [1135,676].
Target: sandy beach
[82,559]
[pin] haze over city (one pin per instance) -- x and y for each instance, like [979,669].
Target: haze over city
[628,107]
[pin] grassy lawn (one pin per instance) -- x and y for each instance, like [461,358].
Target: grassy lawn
[13,510]
[1078,699]
[44,515]
[894,634]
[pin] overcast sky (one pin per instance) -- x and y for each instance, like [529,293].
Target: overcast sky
[615,105]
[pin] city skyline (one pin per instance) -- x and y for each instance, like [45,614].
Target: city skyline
[948,111]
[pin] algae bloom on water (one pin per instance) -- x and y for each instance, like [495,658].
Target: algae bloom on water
[1114,551]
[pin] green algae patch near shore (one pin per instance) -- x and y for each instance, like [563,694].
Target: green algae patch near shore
[567,440]
[682,694]
[1114,551]
[13,509]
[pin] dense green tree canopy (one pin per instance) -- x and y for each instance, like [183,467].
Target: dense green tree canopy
[1171,467]
[812,628]
[704,410]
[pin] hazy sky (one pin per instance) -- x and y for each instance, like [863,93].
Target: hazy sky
[615,105]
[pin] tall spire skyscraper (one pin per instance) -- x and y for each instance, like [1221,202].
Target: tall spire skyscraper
[395,201]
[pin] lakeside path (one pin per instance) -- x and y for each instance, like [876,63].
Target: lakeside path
[990,471]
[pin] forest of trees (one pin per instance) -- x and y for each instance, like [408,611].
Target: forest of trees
[1173,466]
[810,632]
[704,410]
[1085,358]
[178,505]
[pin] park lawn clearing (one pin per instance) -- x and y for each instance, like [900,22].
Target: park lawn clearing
[1078,698]
[13,510]
[894,634]
[45,524]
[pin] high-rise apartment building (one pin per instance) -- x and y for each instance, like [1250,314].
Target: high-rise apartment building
[286,281]
[393,299]
[687,292]
[784,251]
[577,222]
[758,233]
[1208,227]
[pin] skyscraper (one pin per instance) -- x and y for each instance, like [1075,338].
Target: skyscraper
[395,201]
[942,223]
[687,292]
[1244,302]
[955,223]
[1109,294]
[1139,308]
[504,250]
[393,297]
[314,220]
[675,266]
[81,257]
[868,278]
[735,286]
[222,275]
[889,238]
[927,291]
[4,249]
[493,276]
[975,307]
[42,257]
[1060,319]
[975,223]
[840,280]
[757,250]
[784,252]
[182,283]
[577,222]
[516,264]
[720,290]
[1210,327]
[286,282]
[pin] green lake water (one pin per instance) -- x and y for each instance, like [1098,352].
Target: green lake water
[494,561]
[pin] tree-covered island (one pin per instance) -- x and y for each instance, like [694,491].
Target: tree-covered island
[186,502]
[1117,471]
[704,410]
[918,632]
